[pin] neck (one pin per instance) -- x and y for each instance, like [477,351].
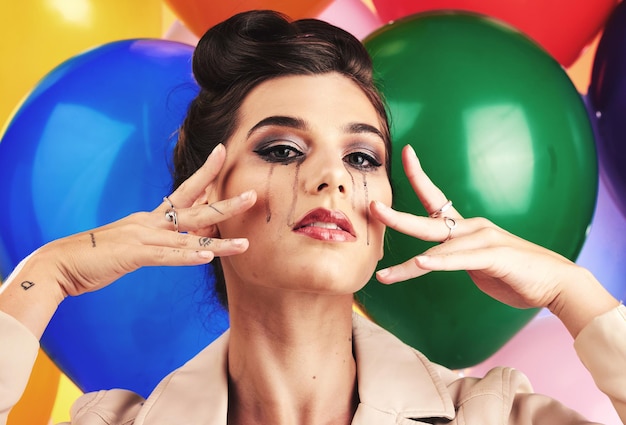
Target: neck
[290,358]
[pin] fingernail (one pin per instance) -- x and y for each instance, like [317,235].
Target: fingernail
[380,205]
[205,254]
[383,273]
[246,195]
[238,242]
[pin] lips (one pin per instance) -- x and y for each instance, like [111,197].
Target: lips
[326,225]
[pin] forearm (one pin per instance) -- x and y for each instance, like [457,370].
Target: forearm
[31,295]
[17,356]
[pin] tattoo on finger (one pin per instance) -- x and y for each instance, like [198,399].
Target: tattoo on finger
[93,240]
[213,207]
[205,241]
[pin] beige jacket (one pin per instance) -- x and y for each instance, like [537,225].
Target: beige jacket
[397,385]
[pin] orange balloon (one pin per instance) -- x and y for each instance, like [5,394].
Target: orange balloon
[562,27]
[35,406]
[37,35]
[580,71]
[200,15]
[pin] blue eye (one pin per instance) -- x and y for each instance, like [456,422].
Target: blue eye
[362,160]
[279,153]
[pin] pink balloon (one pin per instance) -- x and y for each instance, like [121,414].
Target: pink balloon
[544,351]
[179,32]
[353,16]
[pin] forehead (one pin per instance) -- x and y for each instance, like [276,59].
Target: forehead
[322,99]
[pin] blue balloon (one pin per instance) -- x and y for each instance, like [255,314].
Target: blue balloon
[91,144]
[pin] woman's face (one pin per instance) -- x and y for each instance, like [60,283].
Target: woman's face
[312,148]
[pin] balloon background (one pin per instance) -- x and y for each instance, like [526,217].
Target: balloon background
[49,34]
[607,99]
[509,140]
[105,119]
[40,36]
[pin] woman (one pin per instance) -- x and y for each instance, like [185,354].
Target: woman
[282,171]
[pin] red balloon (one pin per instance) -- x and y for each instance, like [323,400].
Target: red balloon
[200,15]
[562,27]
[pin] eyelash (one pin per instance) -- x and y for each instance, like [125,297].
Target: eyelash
[269,154]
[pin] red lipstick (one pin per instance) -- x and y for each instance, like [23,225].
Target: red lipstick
[326,225]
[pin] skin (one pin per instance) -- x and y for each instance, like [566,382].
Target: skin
[290,356]
[290,292]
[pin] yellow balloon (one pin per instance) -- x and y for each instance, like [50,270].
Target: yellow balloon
[35,406]
[38,35]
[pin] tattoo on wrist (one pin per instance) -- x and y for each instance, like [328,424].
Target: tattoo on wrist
[93,240]
[205,241]
[26,285]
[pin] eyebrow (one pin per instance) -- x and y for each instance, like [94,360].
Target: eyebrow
[280,121]
[300,124]
[358,128]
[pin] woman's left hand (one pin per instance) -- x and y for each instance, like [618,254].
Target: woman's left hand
[504,266]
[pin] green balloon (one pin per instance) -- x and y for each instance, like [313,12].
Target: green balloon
[500,128]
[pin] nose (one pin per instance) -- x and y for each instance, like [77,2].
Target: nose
[327,175]
[323,186]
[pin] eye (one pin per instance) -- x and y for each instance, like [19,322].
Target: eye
[362,160]
[279,153]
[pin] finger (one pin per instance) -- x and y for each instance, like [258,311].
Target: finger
[151,255]
[431,197]
[478,259]
[478,233]
[400,272]
[137,234]
[424,228]
[189,242]
[194,186]
[203,216]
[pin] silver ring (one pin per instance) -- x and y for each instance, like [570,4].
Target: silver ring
[170,213]
[451,225]
[441,210]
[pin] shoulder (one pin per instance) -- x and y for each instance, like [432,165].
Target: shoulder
[395,377]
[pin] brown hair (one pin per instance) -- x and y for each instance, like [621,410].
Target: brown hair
[247,49]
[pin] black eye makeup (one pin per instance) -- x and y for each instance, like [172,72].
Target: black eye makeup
[278,151]
[362,161]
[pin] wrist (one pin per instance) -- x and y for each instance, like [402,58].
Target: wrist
[581,300]
[31,295]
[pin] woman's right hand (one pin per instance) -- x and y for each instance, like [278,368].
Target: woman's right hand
[91,260]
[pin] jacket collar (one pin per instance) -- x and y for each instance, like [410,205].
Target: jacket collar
[394,382]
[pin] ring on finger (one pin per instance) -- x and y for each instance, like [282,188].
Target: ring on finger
[451,225]
[440,211]
[170,214]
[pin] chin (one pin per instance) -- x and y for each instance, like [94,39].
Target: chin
[331,280]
